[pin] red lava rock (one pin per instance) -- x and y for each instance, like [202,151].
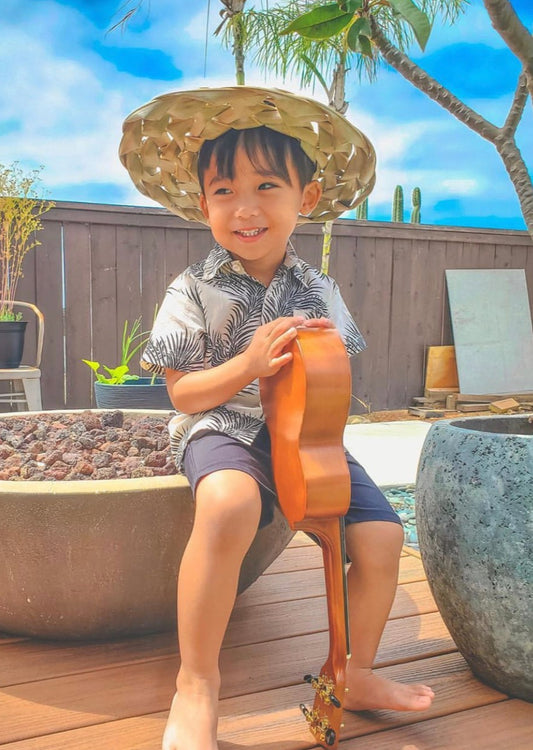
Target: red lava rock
[71,458]
[6,451]
[85,468]
[86,446]
[157,458]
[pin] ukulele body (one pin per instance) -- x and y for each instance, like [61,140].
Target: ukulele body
[306,405]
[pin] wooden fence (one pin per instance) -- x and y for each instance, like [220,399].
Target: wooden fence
[100,265]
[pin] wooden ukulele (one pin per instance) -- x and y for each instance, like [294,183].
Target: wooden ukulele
[306,405]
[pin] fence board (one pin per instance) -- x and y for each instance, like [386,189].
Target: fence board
[77,249]
[119,261]
[49,300]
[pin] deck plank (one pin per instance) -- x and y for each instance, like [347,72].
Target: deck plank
[411,598]
[115,695]
[300,584]
[267,716]
[505,725]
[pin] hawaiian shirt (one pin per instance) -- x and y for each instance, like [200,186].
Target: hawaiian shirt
[209,315]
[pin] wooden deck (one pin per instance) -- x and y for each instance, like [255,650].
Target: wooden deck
[115,695]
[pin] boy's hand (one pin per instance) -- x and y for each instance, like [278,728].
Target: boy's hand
[318,323]
[265,354]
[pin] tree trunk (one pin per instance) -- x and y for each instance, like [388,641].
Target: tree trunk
[238,50]
[502,138]
[519,176]
[337,101]
[514,34]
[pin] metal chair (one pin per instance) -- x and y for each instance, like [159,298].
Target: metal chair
[25,387]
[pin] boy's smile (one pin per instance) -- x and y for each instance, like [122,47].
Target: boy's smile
[254,214]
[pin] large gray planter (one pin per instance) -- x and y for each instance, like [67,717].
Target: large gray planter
[98,559]
[474,510]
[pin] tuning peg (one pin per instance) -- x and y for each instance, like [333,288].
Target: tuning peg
[333,699]
[323,686]
[330,737]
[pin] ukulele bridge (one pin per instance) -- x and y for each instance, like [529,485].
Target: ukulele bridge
[319,726]
[324,687]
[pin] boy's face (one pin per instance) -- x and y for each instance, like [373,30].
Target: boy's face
[253,215]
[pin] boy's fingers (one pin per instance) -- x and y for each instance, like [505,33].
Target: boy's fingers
[277,362]
[318,323]
[283,339]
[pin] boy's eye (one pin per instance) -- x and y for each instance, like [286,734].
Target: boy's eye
[267,185]
[222,191]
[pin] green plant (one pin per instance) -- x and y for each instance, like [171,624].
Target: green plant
[416,201]
[397,204]
[133,339]
[20,212]
[361,211]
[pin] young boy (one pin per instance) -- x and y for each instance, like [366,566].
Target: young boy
[252,163]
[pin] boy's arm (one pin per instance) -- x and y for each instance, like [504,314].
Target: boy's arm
[192,392]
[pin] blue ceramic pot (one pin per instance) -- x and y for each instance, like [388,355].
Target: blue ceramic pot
[474,512]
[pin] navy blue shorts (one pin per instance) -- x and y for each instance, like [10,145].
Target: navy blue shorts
[214,451]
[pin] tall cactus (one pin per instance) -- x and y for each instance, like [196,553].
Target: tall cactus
[397,204]
[362,210]
[416,200]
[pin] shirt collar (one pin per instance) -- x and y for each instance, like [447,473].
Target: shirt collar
[220,260]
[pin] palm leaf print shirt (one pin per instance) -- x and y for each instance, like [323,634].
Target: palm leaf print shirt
[209,315]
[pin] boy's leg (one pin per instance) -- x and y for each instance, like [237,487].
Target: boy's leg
[228,508]
[374,550]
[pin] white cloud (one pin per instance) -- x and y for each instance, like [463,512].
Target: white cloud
[461,186]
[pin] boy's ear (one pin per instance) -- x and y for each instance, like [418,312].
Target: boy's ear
[310,197]
[203,206]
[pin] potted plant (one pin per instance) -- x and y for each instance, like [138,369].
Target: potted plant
[20,212]
[115,391]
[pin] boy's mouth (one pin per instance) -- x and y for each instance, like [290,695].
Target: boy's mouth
[250,233]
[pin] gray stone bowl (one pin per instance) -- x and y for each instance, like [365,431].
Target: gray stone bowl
[98,559]
[474,513]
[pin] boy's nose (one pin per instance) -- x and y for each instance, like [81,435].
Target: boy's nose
[245,209]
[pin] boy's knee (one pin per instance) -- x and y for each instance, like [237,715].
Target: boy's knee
[375,544]
[228,502]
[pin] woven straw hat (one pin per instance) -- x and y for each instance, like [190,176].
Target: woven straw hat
[161,141]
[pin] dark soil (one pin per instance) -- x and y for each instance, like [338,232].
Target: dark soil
[87,445]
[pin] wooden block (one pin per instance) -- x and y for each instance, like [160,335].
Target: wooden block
[488,397]
[451,401]
[427,402]
[418,411]
[506,404]
[472,407]
[439,394]
[441,367]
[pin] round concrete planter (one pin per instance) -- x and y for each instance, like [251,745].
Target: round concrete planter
[98,559]
[474,503]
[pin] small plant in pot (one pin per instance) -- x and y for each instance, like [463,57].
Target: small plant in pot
[20,212]
[119,388]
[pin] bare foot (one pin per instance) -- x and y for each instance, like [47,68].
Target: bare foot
[368,691]
[193,718]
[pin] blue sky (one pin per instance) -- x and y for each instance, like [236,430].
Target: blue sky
[71,82]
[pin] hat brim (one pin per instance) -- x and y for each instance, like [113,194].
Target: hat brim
[161,141]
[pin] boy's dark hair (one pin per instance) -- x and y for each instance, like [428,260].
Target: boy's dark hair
[262,145]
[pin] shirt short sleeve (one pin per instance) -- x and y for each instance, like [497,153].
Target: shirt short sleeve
[178,337]
[344,322]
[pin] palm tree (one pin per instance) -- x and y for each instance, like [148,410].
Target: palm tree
[381,29]
[235,33]
[310,60]
[321,58]
[232,24]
